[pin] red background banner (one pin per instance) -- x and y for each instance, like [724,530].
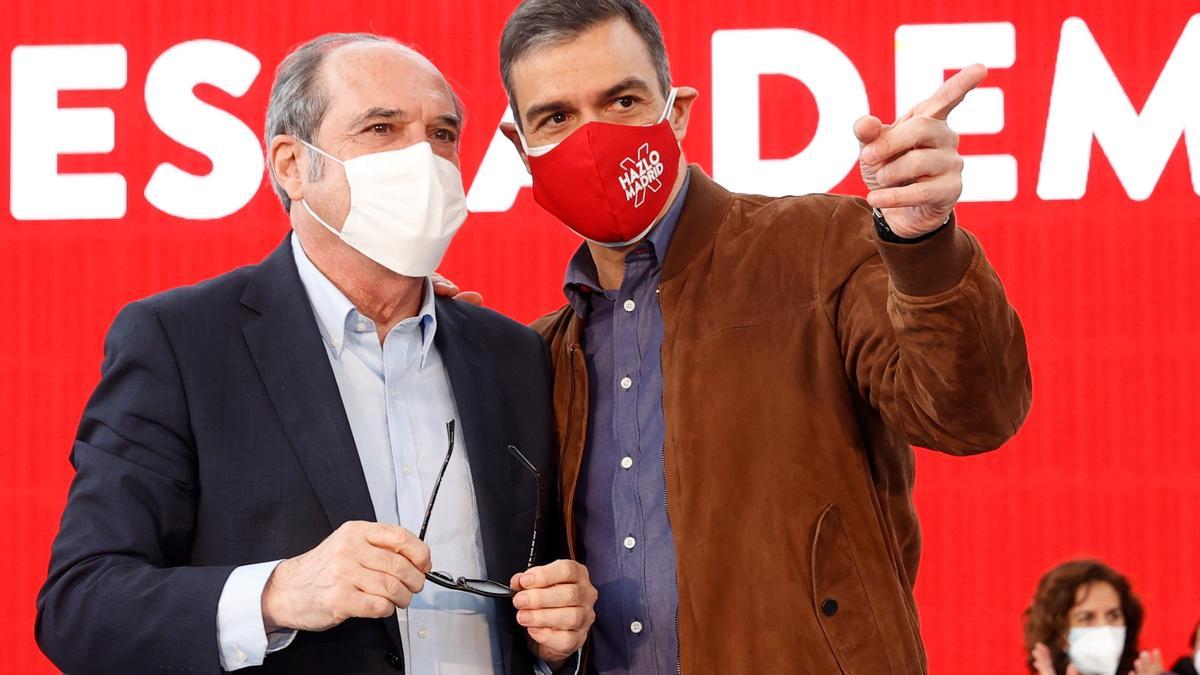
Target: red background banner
[1106,466]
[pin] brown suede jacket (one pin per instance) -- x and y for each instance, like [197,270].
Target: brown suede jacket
[801,360]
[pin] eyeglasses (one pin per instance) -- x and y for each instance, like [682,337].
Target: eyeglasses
[485,587]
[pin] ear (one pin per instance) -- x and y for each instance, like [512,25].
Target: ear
[284,163]
[510,132]
[681,111]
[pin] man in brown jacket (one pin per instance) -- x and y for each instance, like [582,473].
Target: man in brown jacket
[739,379]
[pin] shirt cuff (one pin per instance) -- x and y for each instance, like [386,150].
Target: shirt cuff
[543,668]
[241,637]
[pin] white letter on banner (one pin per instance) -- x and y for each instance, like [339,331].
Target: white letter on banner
[237,158]
[41,131]
[1088,101]
[739,58]
[501,175]
[923,55]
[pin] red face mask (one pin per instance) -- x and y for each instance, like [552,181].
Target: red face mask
[608,182]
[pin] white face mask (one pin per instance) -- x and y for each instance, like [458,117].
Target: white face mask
[405,207]
[543,149]
[1096,651]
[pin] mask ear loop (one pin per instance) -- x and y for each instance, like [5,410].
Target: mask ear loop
[304,202]
[670,104]
[316,149]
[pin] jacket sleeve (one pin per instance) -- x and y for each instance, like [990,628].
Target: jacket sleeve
[120,597]
[928,336]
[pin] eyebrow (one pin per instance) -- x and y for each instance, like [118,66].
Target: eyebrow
[632,82]
[377,113]
[451,120]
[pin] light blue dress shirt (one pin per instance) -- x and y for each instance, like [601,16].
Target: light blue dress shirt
[398,399]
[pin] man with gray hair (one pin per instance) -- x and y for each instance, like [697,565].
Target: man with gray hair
[277,460]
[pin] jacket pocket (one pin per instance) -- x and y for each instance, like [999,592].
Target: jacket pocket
[842,605]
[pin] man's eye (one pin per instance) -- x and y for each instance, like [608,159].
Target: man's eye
[445,135]
[380,128]
[558,118]
[625,101]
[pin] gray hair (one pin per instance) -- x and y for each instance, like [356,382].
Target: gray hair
[298,104]
[537,23]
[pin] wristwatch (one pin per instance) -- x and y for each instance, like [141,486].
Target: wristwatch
[885,233]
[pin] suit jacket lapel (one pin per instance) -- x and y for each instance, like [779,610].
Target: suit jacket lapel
[290,355]
[287,348]
[472,381]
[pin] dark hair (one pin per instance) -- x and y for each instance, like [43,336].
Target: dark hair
[535,23]
[1046,619]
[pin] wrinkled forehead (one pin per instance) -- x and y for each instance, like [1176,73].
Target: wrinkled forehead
[386,74]
[582,66]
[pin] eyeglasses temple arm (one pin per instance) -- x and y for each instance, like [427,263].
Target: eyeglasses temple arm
[438,483]
[537,514]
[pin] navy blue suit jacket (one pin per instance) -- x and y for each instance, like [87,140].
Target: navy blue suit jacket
[217,437]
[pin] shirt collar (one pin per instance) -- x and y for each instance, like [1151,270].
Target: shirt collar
[335,312]
[582,277]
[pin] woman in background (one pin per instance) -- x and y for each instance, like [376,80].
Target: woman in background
[1085,620]
[1190,663]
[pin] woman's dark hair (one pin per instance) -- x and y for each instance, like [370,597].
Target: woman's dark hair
[1046,619]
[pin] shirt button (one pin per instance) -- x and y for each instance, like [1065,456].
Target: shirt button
[635,627]
[423,633]
[333,342]
[363,325]
[630,305]
[630,542]
[395,392]
[241,656]
[626,383]
[406,469]
[626,462]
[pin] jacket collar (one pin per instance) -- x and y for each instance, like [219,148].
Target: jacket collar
[704,209]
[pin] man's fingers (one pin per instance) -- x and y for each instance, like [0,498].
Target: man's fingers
[951,93]
[385,586]
[918,132]
[559,641]
[443,286]
[916,164]
[395,565]
[368,606]
[558,618]
[940,191]
[399,540]
[470,297]
[867,129]
[562,595]
[557,572]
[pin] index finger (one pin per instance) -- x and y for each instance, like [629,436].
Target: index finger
[557,572]
[399,540]
[951,93]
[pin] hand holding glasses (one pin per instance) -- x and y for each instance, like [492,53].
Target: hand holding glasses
[484,587]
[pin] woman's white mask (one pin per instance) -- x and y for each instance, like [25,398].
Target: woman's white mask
[1096,651]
